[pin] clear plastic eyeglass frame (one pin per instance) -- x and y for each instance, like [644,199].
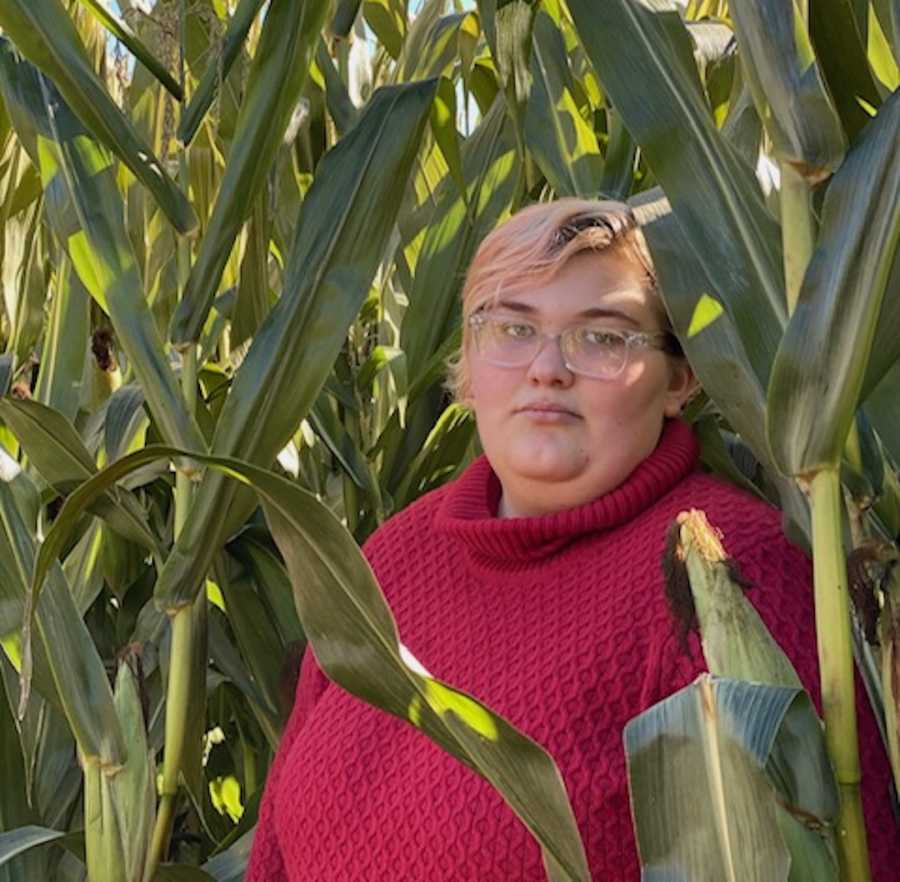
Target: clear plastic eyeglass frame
[523,350]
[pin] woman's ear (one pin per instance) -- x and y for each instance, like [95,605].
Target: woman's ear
[683,385]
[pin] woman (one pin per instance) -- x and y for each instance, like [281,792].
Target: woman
[533,581]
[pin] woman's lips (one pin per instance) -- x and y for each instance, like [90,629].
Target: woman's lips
[547,413]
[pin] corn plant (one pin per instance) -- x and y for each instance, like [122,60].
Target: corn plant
[234,237]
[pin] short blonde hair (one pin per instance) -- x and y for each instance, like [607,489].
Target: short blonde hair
[533,246]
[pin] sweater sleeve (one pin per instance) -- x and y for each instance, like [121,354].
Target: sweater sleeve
[266,863]
[780,575]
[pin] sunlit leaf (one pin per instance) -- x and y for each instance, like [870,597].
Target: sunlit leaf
[45,34]
[85,210]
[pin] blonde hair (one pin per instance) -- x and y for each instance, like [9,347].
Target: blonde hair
[533,246]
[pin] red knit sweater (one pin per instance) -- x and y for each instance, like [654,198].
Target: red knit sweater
[560,624]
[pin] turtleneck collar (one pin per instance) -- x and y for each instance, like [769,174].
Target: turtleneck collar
[469,509]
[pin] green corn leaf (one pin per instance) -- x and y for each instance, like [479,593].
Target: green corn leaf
[438,53]
[788,87]
[13,591]
[340,239]
[256,635]
[15,811]
[886,348]
[20,840]
[387,19]
[882,411]
[77,669]
[382,358]
[443,126]
[344,17]
[491,168]
[26,280]
[280,66]
[709,771]
[713,191]
[131,790]
[85,210]
[44,33]
[354,636]
[562,143]
[229,865]
[619,162]
[341,107]
[268,572]
[508,27]
[218,68]
[821,365]
[227,659]
[127,37]
[56,450]
[706,331]
[842,58]
[422,38]
[883,58]
[337,439]
[61,375]
[252,301]
[103,833]
[718,453]
[442,455]
[124,416]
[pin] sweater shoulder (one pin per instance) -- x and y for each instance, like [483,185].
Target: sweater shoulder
[746,522]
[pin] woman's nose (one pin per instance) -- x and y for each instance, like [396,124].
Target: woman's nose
[549,365]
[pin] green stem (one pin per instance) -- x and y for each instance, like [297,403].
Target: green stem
[178,691]
[798,231]
[836,670]
[177,705]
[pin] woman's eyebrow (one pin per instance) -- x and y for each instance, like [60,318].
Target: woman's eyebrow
[589,313]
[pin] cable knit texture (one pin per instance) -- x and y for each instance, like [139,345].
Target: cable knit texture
[560,624]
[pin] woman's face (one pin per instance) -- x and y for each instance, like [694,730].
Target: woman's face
[557,439]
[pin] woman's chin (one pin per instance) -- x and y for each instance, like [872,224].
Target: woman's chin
[541,462]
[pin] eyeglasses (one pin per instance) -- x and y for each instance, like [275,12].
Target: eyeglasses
[589,350]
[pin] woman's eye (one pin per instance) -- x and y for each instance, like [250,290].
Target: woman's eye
[516,330]
[600,337]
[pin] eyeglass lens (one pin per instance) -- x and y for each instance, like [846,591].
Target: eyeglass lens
[591,351]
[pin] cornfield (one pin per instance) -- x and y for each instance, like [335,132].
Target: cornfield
[233,240]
